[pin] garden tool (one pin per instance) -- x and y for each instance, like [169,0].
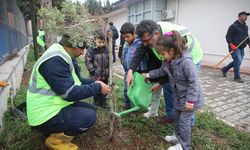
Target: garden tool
[139,94]
[3,83]
[60,141]
[230,53]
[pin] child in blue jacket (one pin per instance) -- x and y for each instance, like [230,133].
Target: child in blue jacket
[131,43]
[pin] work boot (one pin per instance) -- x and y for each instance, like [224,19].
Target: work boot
[176,147]
[223,73]
[60,141]
[238,80]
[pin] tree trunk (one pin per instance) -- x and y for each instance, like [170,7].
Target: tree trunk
[49,38]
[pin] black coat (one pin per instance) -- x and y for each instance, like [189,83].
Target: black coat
[236,33]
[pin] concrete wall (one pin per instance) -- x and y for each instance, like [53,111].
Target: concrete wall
[12,72]
[209,21]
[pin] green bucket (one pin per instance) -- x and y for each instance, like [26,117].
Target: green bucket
[139,93]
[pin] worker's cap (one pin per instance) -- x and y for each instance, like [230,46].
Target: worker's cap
[66,41]
[244,13]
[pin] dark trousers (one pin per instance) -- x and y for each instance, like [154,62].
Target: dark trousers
[113,51]
[168,97]
[100,99]
[72,120]
[125,89]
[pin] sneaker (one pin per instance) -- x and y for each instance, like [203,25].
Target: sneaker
[171,139]
[165,120]
[238,80]
[176,147]
[223,73]
[149,108]
[150,114]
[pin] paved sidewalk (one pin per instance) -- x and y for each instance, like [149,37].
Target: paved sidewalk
[228,99]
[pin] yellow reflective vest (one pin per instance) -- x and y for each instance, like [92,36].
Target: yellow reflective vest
[40,38]
[42,102]
[193,44]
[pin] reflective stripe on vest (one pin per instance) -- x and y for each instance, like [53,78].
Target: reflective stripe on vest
[191,41]
[33,87]
[167,27]
[42,101]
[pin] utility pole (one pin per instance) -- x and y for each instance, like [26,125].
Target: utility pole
[34,27]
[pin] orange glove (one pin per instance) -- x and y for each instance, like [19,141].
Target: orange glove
[3,84]
[233,47]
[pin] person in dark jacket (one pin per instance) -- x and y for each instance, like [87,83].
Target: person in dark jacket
[56,89]
[122,42]
[97,62]
[236,33]
[183,78]
[115,36]
[148,32]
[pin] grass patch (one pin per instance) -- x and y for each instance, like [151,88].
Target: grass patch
[132,132]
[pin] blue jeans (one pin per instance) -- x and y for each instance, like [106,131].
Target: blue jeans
[125,89]
[168,97]
[237,59]
[72,120]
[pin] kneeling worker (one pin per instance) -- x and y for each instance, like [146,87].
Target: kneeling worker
[54,94]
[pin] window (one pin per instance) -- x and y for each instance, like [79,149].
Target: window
[146,9]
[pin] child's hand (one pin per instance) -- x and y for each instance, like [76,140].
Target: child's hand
[155,87]
[189,105]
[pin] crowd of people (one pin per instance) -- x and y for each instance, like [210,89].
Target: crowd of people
[168,55]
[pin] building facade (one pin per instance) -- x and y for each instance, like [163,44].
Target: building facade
[208,20]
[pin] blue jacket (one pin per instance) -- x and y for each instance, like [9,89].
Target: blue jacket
[57,74]
[128,54]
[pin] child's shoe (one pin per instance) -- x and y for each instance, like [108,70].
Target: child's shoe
[172,139]
[176,147]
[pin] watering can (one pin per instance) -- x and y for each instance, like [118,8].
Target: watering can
[139,93]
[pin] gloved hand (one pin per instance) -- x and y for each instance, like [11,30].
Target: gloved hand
[3,84]
[233,47]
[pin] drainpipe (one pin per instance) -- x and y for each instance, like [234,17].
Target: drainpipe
[177,11]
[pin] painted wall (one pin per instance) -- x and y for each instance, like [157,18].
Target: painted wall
[209,21]
[118,20]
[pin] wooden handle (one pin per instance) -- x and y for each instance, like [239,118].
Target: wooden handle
[221,61]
